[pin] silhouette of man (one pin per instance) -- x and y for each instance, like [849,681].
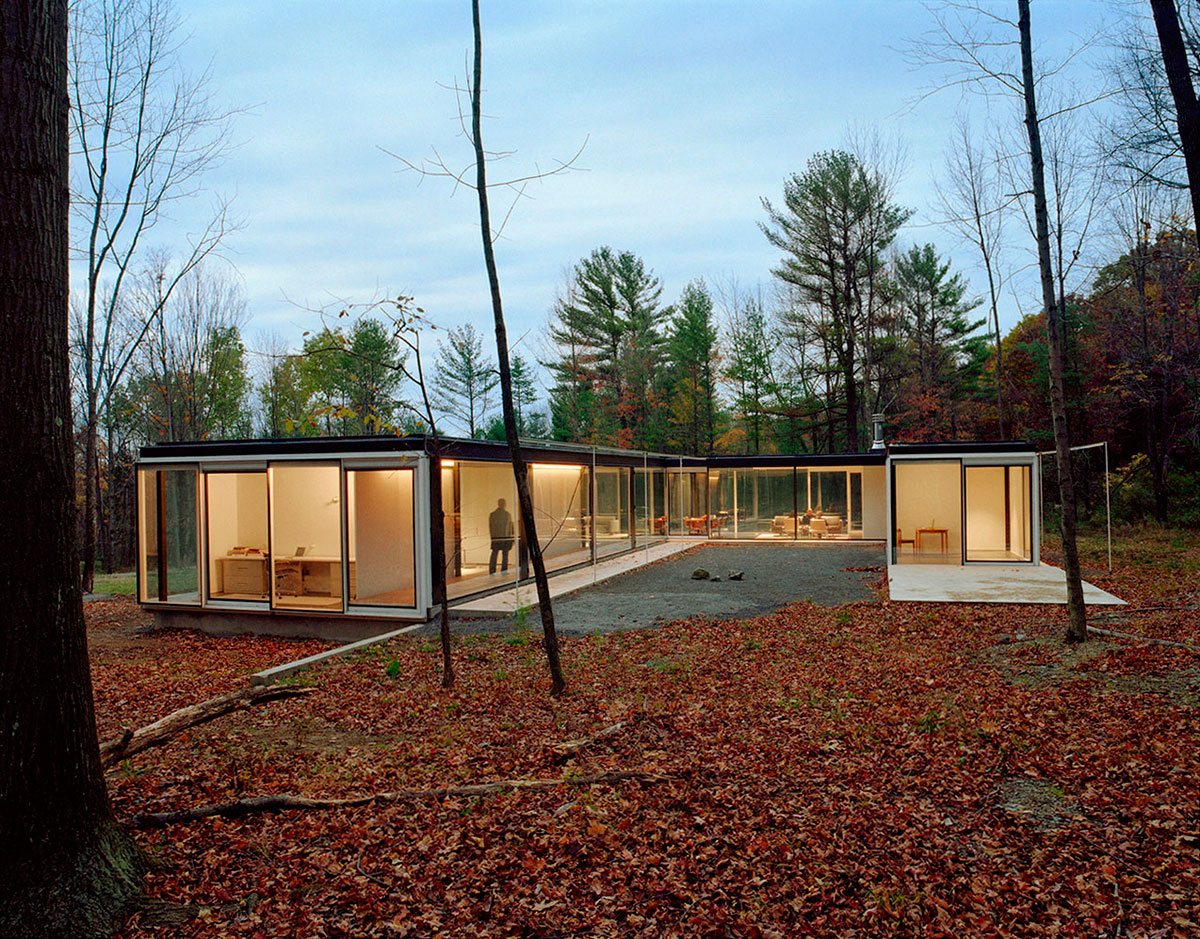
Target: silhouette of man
[500,527]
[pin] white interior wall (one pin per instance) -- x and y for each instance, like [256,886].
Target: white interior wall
[482,485]
[1018,510]
[381,541]
[306,510]
[985,508]
[252,510]
[222,520]
[874,502]
[557,499]
[929,495]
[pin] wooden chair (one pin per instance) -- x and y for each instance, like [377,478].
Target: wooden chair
[718,522]
[901,541]
[660,525]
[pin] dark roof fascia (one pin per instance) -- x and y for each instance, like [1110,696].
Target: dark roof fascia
[800,460]
[287,446]
[452,448]
[952,449]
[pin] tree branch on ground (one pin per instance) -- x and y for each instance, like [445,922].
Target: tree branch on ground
[283,802]
[130,742]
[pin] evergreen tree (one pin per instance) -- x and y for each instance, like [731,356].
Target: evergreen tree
[749,372]
[836,222]
[692,350]
[465,379]
[945,353]
[372,377]
[611,347]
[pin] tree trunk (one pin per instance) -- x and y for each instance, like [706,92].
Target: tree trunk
[437,514]
[89,499]
[520,469]
[1077,627]
[66,867]
[1187,110]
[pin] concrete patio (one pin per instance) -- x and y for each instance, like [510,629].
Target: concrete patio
[1002,583]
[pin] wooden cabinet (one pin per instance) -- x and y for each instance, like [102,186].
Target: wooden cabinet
[241,575]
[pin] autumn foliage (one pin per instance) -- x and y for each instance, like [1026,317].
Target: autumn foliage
[879,769]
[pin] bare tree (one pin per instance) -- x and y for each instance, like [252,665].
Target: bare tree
[1183,92]
[66,868]
[1077,626]
[520,468]
[143,134]
[989,54]
[973,206]
[517,185]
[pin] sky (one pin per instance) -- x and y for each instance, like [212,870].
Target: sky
[687,113]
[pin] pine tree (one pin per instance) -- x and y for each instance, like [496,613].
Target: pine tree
[465,379]
[694,361]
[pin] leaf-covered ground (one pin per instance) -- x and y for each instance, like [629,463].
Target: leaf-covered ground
[879,769]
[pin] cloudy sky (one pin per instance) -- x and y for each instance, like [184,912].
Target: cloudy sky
[690,112]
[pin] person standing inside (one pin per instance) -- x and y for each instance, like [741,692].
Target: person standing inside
[500,527]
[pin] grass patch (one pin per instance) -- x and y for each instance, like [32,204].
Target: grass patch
[124,584]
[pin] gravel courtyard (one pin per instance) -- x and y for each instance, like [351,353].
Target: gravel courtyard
[775,575]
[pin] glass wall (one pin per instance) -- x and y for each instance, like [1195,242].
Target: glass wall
[998,513]
[483,543]
[612,517]
[856,502]
[381,569]
[561,506]
[306,536]
[168,553]
[829,501]
[238,544]
[643,511]
[658,498]
[688,505]
[765,503]
[721,502]
[928,511]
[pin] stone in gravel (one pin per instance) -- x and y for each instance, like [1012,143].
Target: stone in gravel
[736,575]
[716,578]
[700,574]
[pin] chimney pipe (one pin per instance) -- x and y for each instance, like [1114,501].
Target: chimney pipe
[877,428]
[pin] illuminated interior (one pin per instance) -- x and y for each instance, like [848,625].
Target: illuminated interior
[238,552]
[381,537]
[306,536]
[561,503]
[998,511]
[928,506]
[612,519]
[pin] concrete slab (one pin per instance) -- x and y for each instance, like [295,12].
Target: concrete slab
[1000,583]
[269,676]
[508,601]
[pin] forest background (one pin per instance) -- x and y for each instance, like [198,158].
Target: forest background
[863,312]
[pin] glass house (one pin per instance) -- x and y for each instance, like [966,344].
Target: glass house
[328,536]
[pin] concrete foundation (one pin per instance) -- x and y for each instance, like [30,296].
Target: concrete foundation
[988,583]
[340,628]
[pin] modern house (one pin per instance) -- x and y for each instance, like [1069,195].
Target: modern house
[292,535]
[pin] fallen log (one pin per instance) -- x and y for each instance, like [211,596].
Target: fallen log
[130,742]
[568,748]
[283,801]
[1150,639]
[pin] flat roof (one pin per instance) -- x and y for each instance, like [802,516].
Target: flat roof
[549,451]
[949,448]
[459,448]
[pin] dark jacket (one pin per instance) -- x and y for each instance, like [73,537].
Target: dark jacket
[500,527]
